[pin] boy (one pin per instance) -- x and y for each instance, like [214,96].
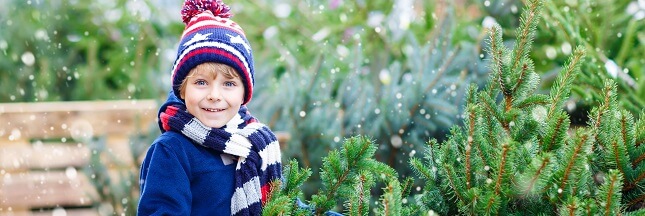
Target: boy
[213,157]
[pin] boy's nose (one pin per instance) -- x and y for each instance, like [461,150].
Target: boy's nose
[215,95]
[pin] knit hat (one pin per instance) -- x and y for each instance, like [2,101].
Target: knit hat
[211,36]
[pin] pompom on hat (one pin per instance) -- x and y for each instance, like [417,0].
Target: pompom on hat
[211,36]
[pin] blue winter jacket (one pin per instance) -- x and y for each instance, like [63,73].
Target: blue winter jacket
[181,178]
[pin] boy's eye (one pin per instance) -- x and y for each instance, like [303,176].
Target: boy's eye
[229,84]
[200,82]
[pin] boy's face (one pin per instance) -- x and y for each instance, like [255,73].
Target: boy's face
[212,97]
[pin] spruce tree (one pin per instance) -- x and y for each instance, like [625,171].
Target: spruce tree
[516,153]
[348,175]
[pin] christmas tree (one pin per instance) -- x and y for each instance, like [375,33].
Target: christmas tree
[516,153]
[348,175]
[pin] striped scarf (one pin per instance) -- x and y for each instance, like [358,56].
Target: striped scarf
[254,144]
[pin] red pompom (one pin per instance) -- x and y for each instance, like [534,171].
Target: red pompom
[194,7]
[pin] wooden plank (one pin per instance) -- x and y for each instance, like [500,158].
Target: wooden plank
[79,106]
[46,189]
[117,152]
[283,138]
[43,156]
[56,211]
[67,212]
[79,120]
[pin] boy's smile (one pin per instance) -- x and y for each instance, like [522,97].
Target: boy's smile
[211,96]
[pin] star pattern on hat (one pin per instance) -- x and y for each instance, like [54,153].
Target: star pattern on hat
[197,37]
[237,39]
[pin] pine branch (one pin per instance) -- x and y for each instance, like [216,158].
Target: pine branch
[626,129]
[638,160]
[562,86]
[452,184]
[420,169]
[556,131]
[617,152]
[491,131]
[533,100]
[520,79]
[636,200]
[502,166]
[352,160]
[489,106]
[281,200]
[390,201]
[496,51]
[469,146]
[359,202]
[611,193]
[278,206]
[632,184]
[609,92]
[544,162]
[526,31]
[639,139]
[408,183]
[573,158]
[571,207]
[295,177]
[640,125]
[493,201]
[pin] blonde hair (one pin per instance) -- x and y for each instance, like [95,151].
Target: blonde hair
[210,67]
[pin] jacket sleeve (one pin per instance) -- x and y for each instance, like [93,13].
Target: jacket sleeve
[165,182]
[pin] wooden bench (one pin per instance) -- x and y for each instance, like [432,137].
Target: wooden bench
[67,158]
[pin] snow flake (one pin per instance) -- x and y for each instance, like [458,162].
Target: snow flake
[396,141]
[488,22]
[4,45]
[28,58]
[612,68]
[539,113]
[59,211]
[282,10]
[71,173]
[566,48]
[15,134]
[384,77]
[551,52]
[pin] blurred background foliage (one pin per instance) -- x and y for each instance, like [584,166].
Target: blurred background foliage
[394,70]
[82,50]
